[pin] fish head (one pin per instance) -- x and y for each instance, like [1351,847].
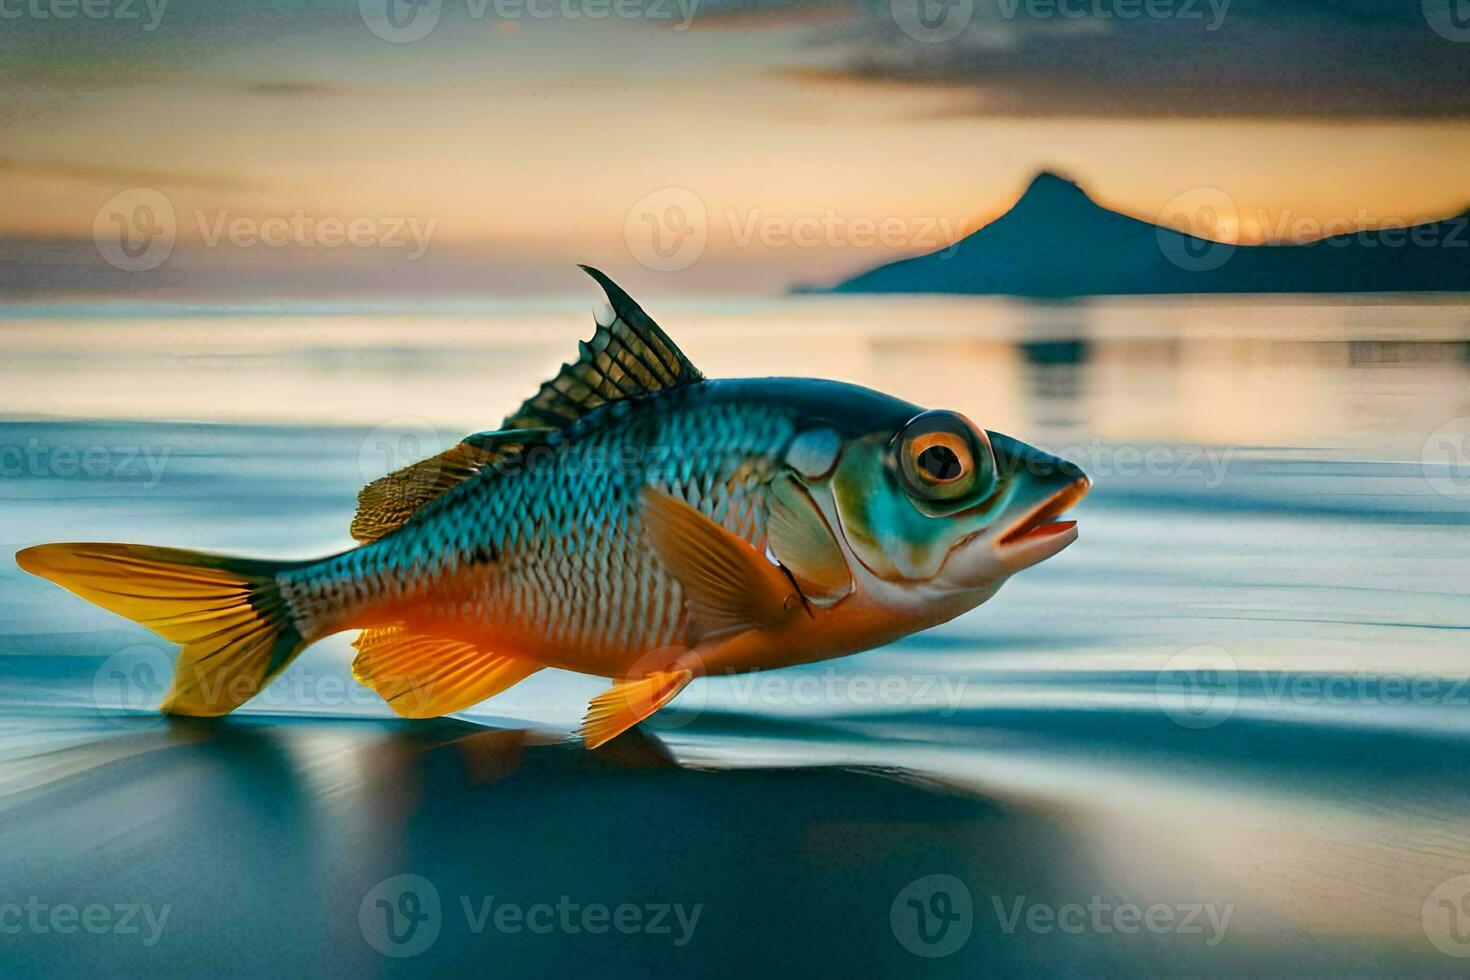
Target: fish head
[942,508]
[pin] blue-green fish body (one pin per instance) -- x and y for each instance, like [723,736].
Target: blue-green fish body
[633,520]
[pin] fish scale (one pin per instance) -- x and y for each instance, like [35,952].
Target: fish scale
[572,566]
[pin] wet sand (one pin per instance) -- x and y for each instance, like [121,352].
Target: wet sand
[264,838]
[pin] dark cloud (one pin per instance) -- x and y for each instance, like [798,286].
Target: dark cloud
[60,268]
[1099,58]
[771,13]
[108,175]
[292,89]
[43,267]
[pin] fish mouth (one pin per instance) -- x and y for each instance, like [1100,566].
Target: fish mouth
[1037,535]
[988,556]
[1039,524]
[1037,489]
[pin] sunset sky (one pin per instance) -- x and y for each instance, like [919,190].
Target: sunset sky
[521,136]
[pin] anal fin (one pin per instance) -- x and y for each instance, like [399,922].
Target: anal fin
[625,704]
[424,676]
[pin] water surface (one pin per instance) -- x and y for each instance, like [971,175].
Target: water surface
[1243,688]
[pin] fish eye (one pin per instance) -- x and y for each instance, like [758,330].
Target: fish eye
[940,463]
[943,456]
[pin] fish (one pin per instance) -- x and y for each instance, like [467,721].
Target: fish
[632,520]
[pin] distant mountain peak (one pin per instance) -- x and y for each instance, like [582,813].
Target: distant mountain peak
[1050,178]
[1049,191]
[1054,208]
[1055,241]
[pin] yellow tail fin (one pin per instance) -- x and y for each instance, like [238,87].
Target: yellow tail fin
[227,612]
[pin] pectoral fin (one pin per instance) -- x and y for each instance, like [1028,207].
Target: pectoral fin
[729,587]
[625,704]
[424,676]
[802,540]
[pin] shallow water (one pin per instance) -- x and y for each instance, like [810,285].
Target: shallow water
[1243,689]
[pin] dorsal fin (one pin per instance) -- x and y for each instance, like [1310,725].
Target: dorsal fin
[631,357]
[386,503]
